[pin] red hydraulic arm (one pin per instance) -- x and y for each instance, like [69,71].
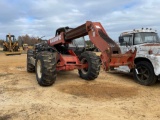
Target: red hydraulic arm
[110,52]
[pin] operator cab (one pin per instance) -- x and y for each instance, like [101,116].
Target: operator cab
[77,45]
[137,37]
[10,37]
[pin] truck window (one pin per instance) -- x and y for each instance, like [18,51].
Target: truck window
[147,37]
[127,40]
[137,39]
[150,37]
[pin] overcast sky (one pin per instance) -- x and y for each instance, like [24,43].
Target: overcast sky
[43,17]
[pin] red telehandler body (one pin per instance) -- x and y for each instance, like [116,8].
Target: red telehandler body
[56,55]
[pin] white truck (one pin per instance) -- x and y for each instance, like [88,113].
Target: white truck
[147,60]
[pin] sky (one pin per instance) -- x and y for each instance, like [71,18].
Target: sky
[42,17]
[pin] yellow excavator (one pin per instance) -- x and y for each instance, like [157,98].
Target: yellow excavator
[11,46]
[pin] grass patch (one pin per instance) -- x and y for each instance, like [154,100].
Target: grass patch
[5,74]
[6,117]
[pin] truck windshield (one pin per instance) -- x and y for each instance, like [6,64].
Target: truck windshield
[146,37]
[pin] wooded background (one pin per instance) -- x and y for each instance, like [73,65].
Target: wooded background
[24,39]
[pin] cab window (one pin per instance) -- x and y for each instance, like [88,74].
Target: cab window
[137,39]
[127,40]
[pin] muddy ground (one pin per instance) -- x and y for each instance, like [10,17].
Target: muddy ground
[112,96]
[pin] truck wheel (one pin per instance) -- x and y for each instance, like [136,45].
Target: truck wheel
[93,69]
[144,73]
[30,67]
[46,68]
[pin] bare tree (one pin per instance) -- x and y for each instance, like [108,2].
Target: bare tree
[26,39]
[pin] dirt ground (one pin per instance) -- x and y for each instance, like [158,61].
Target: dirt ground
[112,96]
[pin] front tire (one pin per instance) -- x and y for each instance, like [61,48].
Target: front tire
[4,48]
[144,73]
[30,67]
[93,69]
[16,48]
[46,68]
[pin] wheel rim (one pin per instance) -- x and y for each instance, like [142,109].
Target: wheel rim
[143,73]
[84,70]
[39,71]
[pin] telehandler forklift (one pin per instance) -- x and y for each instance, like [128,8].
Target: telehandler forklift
[55,55]
[10,46]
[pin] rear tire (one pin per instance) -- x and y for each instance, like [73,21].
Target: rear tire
[144,73]
[93,69]
[46,68]
[30,67]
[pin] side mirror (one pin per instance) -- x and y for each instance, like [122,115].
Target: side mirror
[121,40]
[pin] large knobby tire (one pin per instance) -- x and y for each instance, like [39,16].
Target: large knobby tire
[4,48]
[93,69]
[46,68]
[16,48]
[30,67]
[144,73]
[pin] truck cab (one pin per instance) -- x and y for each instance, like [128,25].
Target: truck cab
[138,38]
[147,60]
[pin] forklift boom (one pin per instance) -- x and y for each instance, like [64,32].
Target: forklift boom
[110,51]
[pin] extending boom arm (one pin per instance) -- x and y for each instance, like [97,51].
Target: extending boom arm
[99,38]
